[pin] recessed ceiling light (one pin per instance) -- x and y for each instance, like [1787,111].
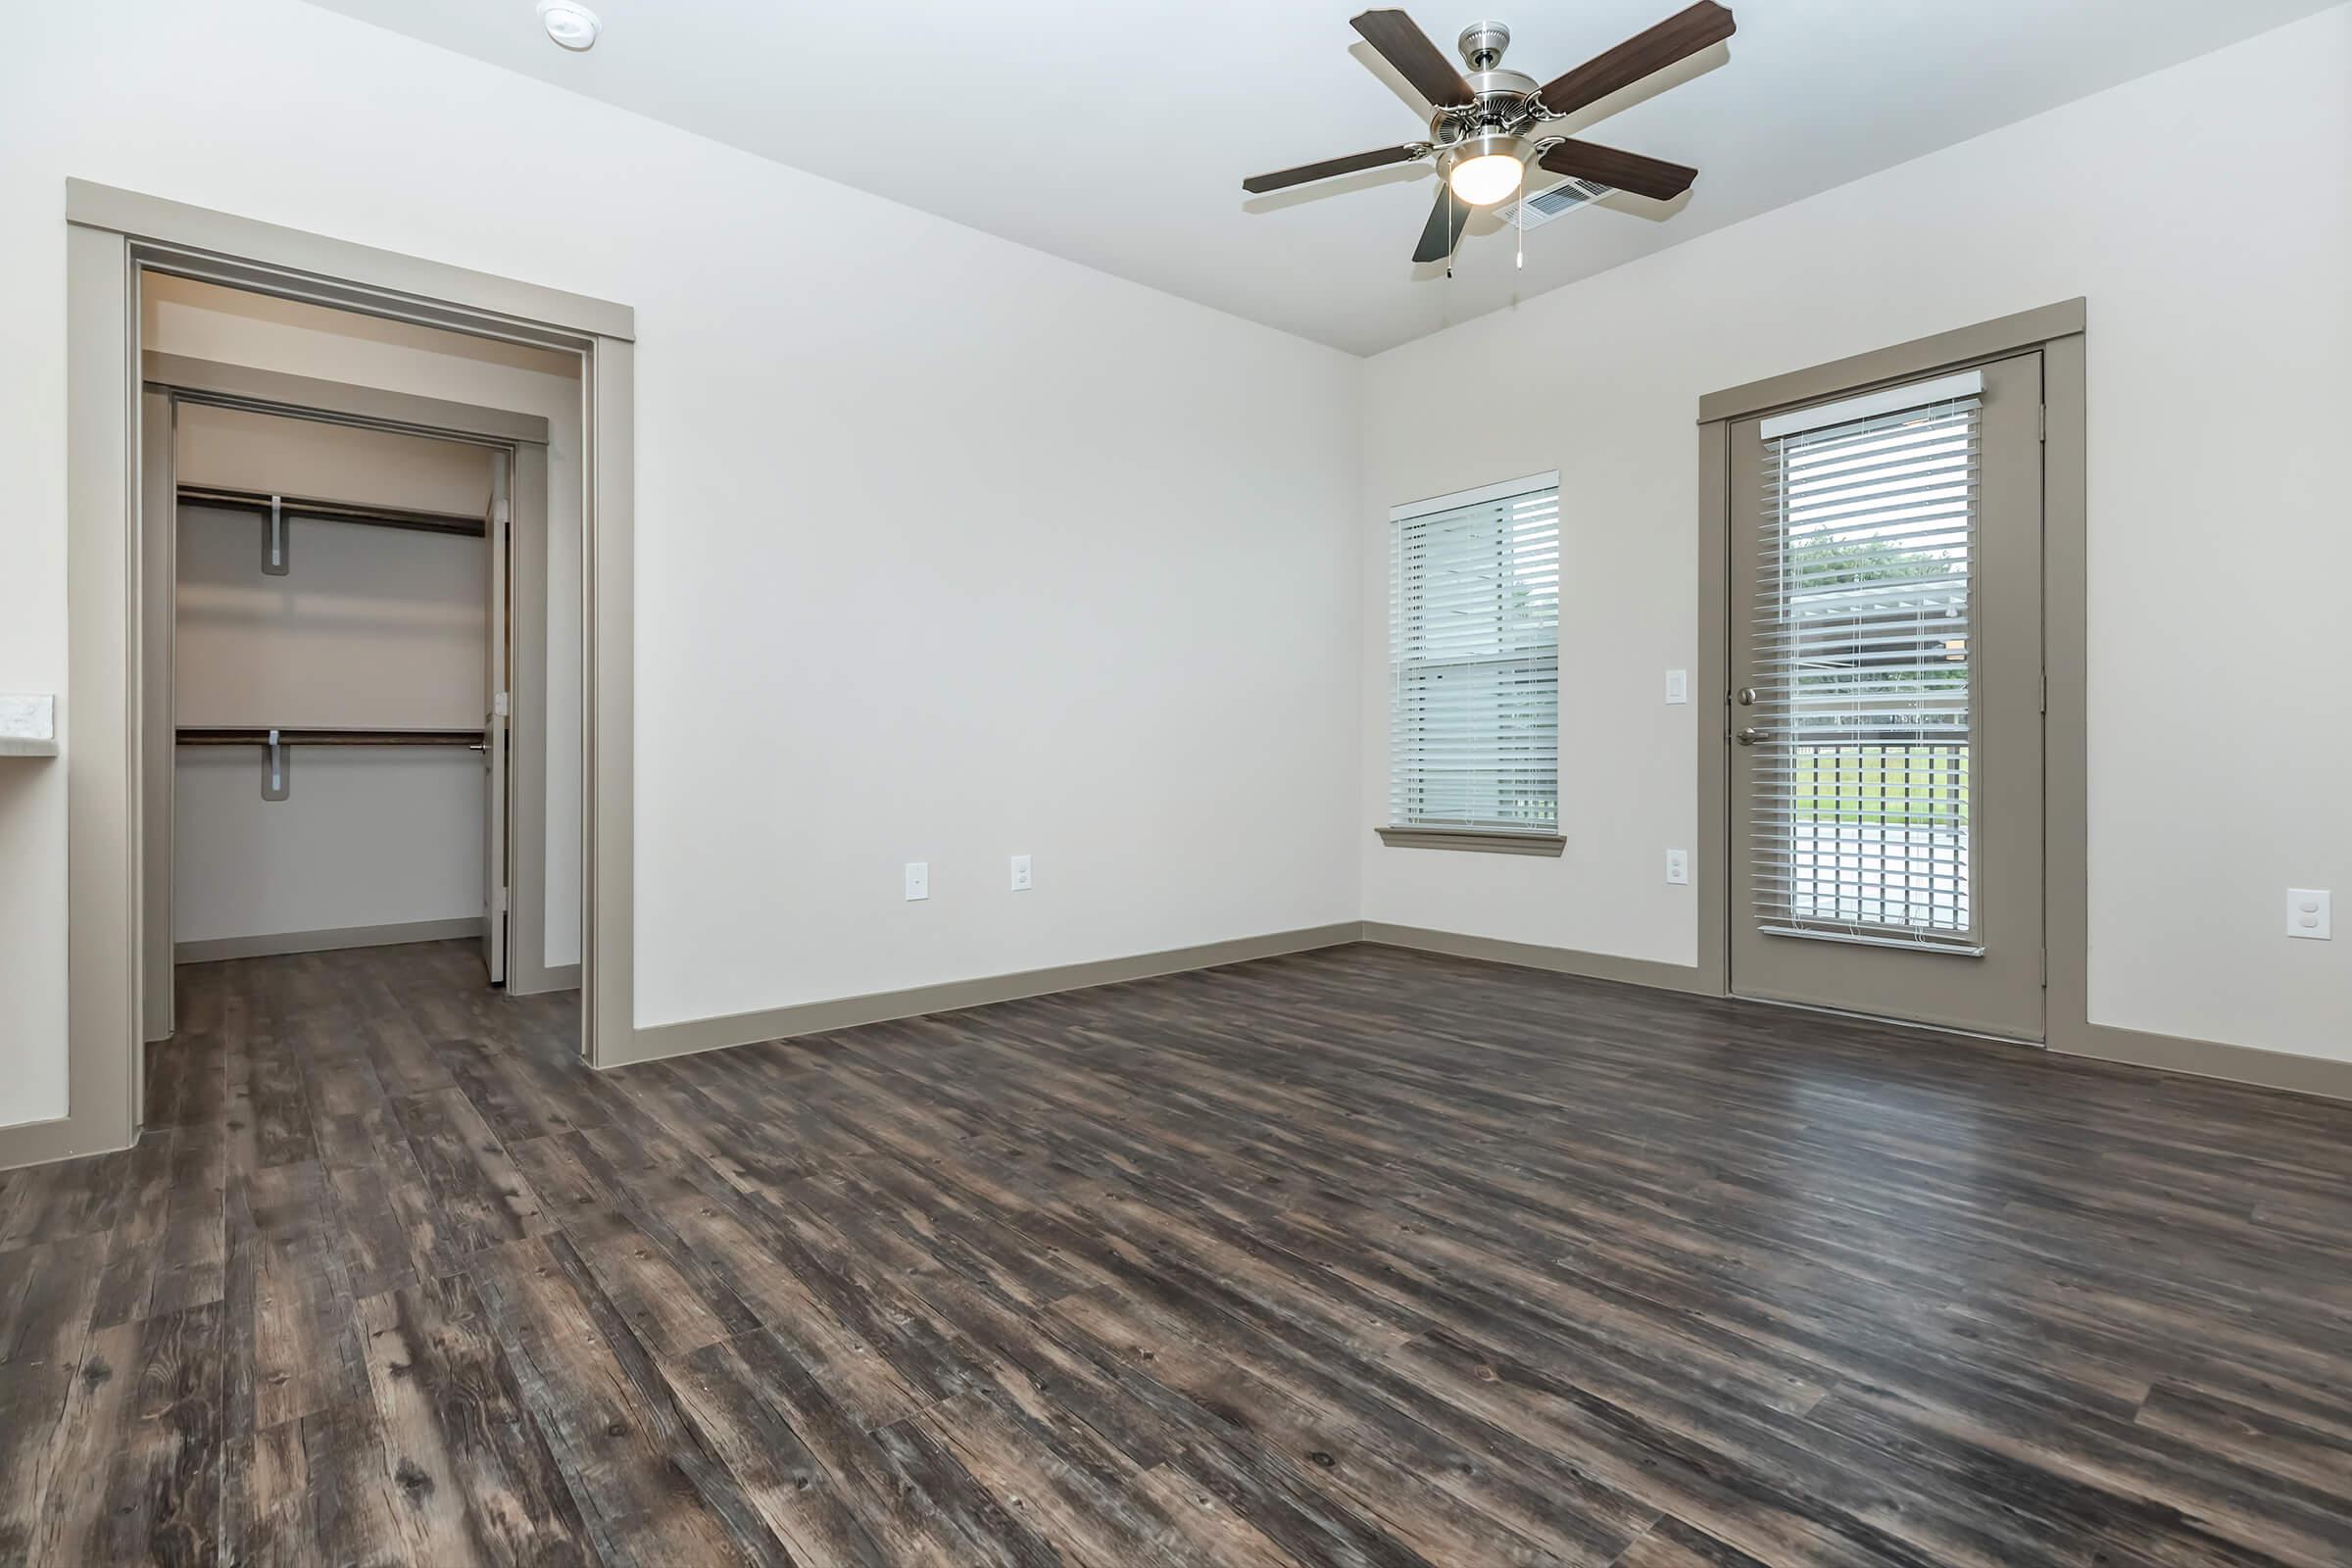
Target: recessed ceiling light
[570,23]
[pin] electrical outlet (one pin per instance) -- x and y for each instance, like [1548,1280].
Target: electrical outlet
[1677,685]
[2310,913]
[1020,874]
[919,880]
[1678,866]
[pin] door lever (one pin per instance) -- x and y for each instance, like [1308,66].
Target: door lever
[1750,736]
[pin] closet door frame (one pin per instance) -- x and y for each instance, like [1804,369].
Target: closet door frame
[112,237]
[523,438]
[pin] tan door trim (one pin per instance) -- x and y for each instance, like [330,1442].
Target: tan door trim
[2058,331]
[293,264]
[281,391]
[1859,373]
[111,235]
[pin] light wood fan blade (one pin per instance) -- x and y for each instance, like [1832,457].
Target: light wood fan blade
[1677,37]
[1354,162]
[1655,177]
[1444,230]
[1404,45]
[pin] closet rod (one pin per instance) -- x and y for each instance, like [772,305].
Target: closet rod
[332,737]
[259,501]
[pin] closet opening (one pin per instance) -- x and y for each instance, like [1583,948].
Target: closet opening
[362,694]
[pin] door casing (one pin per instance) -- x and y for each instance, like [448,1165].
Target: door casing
[2058,331]
[111,235]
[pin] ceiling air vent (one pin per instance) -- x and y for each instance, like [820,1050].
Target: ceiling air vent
[1545,205]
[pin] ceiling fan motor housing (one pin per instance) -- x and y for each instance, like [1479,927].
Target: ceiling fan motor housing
[1492,123]
[1500,97]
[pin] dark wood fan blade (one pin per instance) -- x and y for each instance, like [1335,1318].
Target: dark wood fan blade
[1623,171]
[1354,162]
[1444,230]
[1419,61]
[1677,37]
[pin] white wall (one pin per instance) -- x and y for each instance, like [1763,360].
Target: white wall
[369,627]
[947,550]
[209,323]
[2206,212]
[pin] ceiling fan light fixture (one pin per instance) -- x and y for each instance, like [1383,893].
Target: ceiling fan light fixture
[1485,170]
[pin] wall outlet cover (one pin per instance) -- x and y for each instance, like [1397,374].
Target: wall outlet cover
[919,880]
[2310,913]
[1020,874]
[1678,866]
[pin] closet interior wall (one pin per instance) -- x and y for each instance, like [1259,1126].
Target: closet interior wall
[370,627]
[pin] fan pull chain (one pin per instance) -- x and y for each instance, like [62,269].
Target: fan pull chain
[1519,221]
[1453,234]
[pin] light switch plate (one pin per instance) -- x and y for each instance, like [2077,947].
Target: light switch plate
[1020,874]
[919,880]
[2310,913]
[1677,685]
[1678,866]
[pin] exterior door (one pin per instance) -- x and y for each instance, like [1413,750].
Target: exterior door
[1886,703]
[495,723]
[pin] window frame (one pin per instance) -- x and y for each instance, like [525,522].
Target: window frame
[1438,835]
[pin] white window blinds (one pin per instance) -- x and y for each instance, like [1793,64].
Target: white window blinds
[1861,811]
[1474,730]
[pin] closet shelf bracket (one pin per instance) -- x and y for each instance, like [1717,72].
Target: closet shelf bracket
[273,777]
[273,539]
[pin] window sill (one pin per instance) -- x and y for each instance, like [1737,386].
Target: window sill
[1484,841]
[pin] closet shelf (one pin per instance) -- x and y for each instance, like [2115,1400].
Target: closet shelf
[331,737]
[260,501]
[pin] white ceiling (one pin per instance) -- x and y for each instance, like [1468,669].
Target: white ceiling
[953,106]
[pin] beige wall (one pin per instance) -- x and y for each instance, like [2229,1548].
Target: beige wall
[2206,212]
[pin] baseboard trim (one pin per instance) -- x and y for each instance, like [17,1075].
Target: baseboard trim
[2210,1059]
[37,1143]
[215,949]
[1533,956]
[655,1041]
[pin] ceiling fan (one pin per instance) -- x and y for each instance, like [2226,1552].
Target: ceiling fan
[1488,121]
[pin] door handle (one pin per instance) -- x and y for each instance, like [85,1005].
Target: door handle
[1749,737]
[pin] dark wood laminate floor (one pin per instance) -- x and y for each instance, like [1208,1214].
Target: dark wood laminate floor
[1355,1257]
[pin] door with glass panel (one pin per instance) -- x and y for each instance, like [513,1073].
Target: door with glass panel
[1886,702]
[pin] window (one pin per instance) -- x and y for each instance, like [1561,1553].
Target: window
[1862,804]
[1474,648]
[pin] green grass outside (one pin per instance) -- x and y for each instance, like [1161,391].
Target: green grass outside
[1869,785]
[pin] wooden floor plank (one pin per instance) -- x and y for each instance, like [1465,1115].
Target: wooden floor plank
[1357,1258]
[473,1474]
[144,1445]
